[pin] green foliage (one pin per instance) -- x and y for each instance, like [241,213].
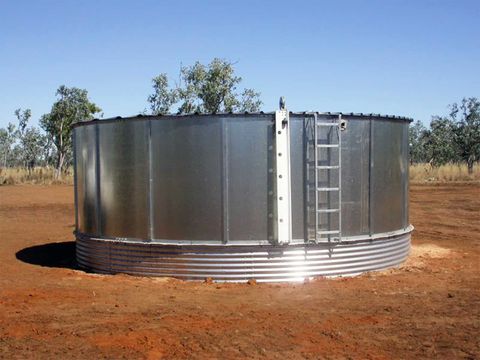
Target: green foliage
[467,130]
[31,143]
[23,118]
[29,140]
[451,138]
[4,146]
[208,88]
[71,106]
[250,101]
[440,143]
[162,98]
[8,137]
[24,146]
[417,136]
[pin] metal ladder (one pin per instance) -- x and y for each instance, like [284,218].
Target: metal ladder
[328,179]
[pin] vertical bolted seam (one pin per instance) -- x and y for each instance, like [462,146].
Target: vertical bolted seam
[283,180]
[75,179]
[225,180]
[339,132]
[370,180]
[97,179]
[151,221]
[406,176]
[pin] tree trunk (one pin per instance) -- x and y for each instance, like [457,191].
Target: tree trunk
[61,154]
[470,165]
[60,160]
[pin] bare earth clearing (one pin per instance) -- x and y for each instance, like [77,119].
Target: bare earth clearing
[428,308]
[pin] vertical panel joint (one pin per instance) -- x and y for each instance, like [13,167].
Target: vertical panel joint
[283,218]
[97,180]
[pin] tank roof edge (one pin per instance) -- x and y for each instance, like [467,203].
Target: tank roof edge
[240,114]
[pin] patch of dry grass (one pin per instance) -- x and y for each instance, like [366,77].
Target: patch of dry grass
[421,173]
[39,175]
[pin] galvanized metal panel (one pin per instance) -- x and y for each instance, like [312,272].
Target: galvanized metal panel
[249,180]
[388,173]
[237,203]
[86,182]
[355,177]
[187,178]
[123,177]
[297,172]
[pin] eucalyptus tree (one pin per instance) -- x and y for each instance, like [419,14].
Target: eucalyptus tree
[210,88]
[8,137]
[29,140]
[466,116]
[163,97]
[31,147]
[417,137]
[72,105]
[4,147]
[22,117]
[440,145]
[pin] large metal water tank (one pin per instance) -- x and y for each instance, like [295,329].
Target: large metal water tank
[203,196]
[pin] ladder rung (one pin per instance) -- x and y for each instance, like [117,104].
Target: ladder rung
[327,145]
[328,124]
[313,184]
[322,167]
[328,189]
[327,232]
[312,162]
[320,141]
[328,210]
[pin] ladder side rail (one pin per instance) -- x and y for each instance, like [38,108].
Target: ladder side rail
[309,167]
[339,130]
[315,135]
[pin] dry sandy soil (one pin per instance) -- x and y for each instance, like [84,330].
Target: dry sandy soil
[428,308]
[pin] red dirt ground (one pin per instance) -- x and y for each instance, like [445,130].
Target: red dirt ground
[428,308]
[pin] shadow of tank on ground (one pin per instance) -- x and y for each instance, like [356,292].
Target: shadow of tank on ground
[55,255]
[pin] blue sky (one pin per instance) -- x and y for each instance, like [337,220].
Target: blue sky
[409,58]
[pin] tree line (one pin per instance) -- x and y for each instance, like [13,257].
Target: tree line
[453,138]
[27,146]
[212,88]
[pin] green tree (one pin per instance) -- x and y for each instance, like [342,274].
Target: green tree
[163,97]
[466,116]
[8,138]
[47,150]
[417,137]
[31,147]
[4,147]
[28,140]
[250,101]
[71,106]
[23,117]
[440,145]
[208,88]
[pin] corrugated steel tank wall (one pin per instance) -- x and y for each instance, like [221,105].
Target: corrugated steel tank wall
[207,179]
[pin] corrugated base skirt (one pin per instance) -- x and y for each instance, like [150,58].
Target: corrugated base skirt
[264,263]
